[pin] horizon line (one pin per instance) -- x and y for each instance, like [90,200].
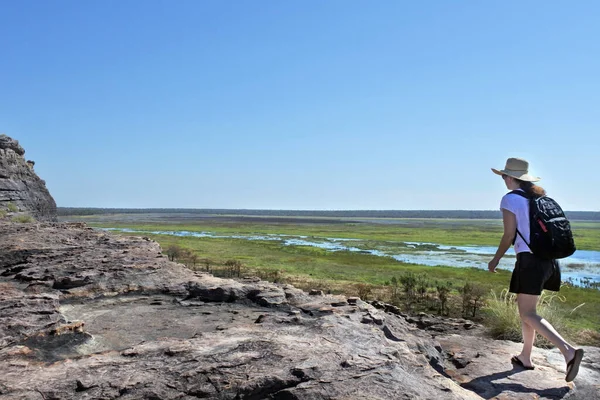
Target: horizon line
[293,209]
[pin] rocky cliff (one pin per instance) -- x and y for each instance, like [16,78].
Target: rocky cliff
[20,187]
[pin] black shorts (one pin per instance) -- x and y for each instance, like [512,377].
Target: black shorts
[532,274]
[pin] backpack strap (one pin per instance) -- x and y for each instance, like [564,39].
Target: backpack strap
[522,194]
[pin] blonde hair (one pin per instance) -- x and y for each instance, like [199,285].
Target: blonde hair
[531,189]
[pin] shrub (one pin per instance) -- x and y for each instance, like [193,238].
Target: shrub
[394,293]
[3,213]
[409,283]
[207,263]
[188,257]
[234,268]
[193,259]
[443,290]
[271,275]
[12,207]
[472,298]
[23,218]
[174,252]
[364,291]
[478,295]
[422,285]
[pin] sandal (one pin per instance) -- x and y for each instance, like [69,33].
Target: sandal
[573,365]
[517,361]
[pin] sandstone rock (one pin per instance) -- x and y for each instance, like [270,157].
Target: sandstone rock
[353,300]
[20,185]
[124,324]
[483,366]
[8,143]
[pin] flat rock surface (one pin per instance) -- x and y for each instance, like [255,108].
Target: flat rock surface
[89,315]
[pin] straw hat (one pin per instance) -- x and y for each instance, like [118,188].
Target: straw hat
[518,168]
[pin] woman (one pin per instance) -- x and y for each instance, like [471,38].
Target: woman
[530,274]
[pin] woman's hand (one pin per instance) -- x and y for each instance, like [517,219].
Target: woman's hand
[493,264]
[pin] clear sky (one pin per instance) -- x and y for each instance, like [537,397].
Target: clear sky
[302,104]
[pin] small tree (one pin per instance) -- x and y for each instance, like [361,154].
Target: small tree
[466,293]
[271,275]
[364,291]
[193,259]
[188,257]
[443,290]
[234,267]
[478,295]
[394,292]
[173,252]
[472,295]
[422,284]
[409,282]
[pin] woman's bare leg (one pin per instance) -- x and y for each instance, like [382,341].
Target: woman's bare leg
[527,310]
[528,339]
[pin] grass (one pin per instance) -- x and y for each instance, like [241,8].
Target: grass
[502,316]
[341,272]
[12,207]
[23,218]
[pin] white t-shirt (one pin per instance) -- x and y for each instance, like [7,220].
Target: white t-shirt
[519,206]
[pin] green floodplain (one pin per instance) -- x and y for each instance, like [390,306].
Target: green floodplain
[357,273]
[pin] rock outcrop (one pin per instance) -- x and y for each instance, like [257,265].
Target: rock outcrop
[20,187]
[85,314]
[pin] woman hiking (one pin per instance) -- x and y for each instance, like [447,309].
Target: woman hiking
[531,274]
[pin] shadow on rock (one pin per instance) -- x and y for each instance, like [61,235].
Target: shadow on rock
[487,386]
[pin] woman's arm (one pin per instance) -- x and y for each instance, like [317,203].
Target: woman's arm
[510,230]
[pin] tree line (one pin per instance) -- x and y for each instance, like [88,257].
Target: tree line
[444,214]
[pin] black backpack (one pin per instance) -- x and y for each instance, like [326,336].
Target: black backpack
[550,231]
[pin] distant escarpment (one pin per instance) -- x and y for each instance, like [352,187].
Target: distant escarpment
[21,190]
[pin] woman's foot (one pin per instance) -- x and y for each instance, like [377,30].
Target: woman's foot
[526,365]
[573,365]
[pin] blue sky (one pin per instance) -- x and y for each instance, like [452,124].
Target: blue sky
[302,104]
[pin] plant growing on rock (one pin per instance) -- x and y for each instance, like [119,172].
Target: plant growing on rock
[23,218]
[12,207]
